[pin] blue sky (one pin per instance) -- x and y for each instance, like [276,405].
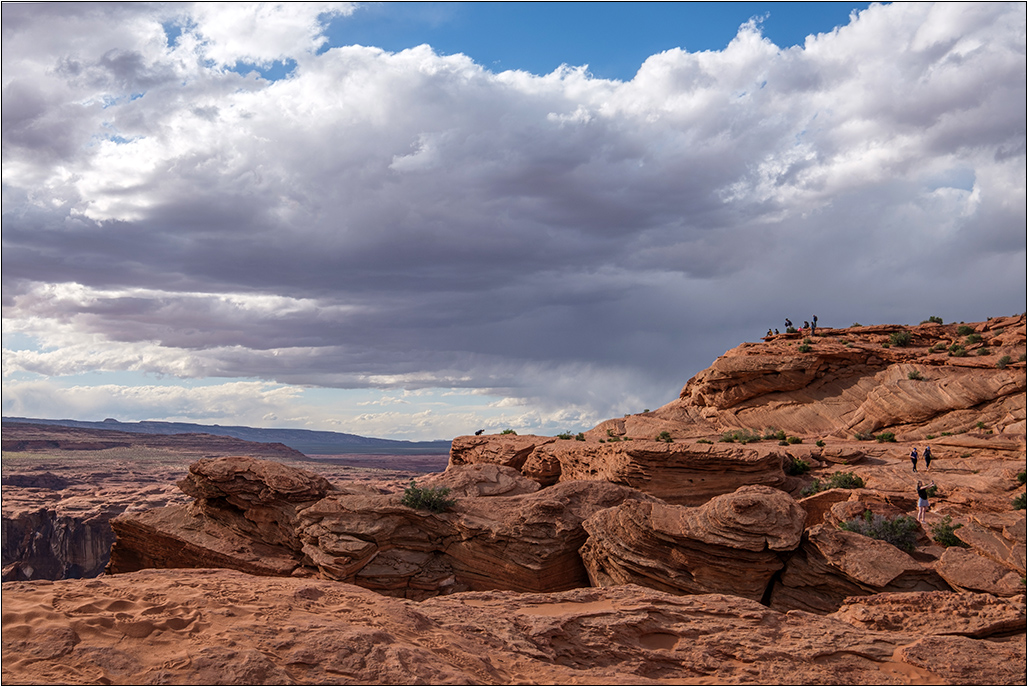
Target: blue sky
[612,38]
[410,223]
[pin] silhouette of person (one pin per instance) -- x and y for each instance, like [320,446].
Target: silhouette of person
[927,454]
[913,458]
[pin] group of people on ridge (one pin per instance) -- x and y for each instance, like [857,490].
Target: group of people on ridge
[788,326]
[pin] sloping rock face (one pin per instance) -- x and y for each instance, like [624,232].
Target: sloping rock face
[833,564]
[854,380]
[524,543]
[966,571]
[687,474]
[727,546]
[224,627]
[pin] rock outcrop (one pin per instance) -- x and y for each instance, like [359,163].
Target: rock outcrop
[832,564]
[224,627]
[730,545]
[687,474]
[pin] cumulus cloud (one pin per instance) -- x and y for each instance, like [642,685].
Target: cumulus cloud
[414,220]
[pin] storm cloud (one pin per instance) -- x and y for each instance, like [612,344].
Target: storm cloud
[414,220]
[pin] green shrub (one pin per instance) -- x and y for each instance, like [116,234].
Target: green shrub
[1021,477]
[933,318]
[774,433]
[1019,502]
[938,347]
[973,339]
[929,436]
[964,330]
[914,374]
[794,440]
[565,435]
[957,351]
[1021,358]
[979,425]
[791,330]
[704,441]
[838,480]
[743,436]
[900,531]
[900,338]
[796,466]
[856,324]
[886,345]
[984,351]
[427,498]
[932,491]
[1003,362]
[580,437]
[819,443]
[805,348]
[665,436]
[509,431]
[943,533]
[885,438]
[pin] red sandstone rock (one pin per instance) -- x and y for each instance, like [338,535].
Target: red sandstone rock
[483,479]
[935,613]
[968,572]
[833,564]
[726,546]
[224,627]
[528,542]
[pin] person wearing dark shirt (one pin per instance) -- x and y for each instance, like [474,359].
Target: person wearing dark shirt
[922,500]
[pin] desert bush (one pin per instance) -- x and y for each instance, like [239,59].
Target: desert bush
[957,351]
[984,351]
[863,436]
[838,480]
[796,466]
[743,436]
[964,330]
[509,431]
[933,318]
[885,438]
[1003,362]
[427,498]
[704,441]
[791,330]
[940,346]
[771,433]
[900,531]
[1021,477]
[793,440]
[1019,502]
[665,436]
[819,443]
[900,338]
[565,435]
[914,374]
[580,437]
[943,533]
[805,348]
[973,339]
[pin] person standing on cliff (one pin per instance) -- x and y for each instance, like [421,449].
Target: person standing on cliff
[922,500]
[927,453]
[913,458]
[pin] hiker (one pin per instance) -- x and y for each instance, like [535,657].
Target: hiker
[815,320]
[768,333]
[922,500]
[806,325]
[913,458]
[776,331]
[927,453]
[788,323]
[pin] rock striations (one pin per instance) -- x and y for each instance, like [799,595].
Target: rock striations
[720,538]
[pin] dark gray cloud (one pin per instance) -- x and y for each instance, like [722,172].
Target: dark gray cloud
[413,220]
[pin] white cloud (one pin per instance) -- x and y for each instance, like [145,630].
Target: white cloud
[412,221]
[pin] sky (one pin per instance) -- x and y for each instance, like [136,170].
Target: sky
[416,220]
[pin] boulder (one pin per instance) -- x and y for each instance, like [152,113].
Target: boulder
[726,546]
[258,498]
[484,479]
[832,564]
[679,473]
[998,536]
[527,542]
[966,571]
